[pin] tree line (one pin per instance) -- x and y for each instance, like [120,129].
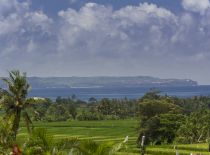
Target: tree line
[67,109]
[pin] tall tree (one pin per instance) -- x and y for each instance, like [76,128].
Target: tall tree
[196,127]
[14,99]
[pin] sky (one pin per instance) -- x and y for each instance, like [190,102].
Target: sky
[160,38]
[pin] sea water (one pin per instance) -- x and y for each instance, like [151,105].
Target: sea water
[119,92]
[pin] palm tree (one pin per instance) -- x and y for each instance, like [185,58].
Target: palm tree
[14,99]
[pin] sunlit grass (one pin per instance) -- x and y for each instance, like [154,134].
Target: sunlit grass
[103,131]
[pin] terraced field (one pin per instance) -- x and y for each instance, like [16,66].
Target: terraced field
[116,131]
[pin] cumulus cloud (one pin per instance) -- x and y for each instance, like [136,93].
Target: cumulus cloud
[103,32]
[144,36]
[9,24]
[98,40]
[140,13]
[20,25]
[38,19]
[199,6]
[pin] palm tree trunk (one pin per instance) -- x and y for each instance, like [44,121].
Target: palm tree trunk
[16,122]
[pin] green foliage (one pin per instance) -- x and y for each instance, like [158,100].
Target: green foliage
[150,108]
[122,109]
[70,104]
[153,94]
[38,108]
[85,116]
[110,130]
[192,104]
[196,128]
[57,113]
[165,119]
[162,129]
[41,143]
[6,135]
[14,99]
[64,109]
[158,119]
[169,125]
[46,110]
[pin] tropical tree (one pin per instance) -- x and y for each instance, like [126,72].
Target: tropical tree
[157,114]
[14,99]
[196,127]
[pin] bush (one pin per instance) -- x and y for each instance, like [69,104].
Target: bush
[86,116]
[112,117]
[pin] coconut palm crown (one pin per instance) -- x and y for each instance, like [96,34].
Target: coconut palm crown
[14,99]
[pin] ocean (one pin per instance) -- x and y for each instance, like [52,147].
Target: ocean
[119,92]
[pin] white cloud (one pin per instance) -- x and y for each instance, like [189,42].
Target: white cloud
[38,20]
[99,30]
[199,6]
[96,39]
[20,19]
[9,24]
[88,16]
[22,30]
[144,36]
[144,11]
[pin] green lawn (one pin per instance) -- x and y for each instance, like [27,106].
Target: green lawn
[103,131]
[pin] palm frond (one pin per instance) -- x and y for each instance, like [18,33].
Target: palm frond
[39,143]
[6,101]
[7,81]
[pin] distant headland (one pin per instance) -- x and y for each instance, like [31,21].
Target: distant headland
[106,81]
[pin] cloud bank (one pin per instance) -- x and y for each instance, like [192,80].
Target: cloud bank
[98,40]
[196,5]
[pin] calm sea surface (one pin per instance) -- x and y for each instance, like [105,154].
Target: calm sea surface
[130,92]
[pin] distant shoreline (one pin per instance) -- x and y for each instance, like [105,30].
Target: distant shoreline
[120,92]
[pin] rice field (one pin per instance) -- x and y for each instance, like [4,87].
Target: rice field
[116,131]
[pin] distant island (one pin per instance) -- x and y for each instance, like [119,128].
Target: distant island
[106,81]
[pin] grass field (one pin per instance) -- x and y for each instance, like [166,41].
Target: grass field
[116,131]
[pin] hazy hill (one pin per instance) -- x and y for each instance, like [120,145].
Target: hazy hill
[138,81]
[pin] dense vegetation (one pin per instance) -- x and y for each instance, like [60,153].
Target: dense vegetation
[66,109]
[163,120]
[111,131]
[15,105]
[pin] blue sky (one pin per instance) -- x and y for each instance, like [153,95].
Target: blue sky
[51,7]
[161,38]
